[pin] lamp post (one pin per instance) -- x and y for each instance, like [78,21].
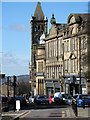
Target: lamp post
[80,87]
[65,72]
[30,85]
[69,85]
[14,84]
[61,82]
[53,76]
[8,86]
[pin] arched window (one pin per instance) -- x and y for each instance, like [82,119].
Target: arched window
[38,27]
[42,28]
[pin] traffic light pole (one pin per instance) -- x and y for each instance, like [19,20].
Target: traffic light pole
[14,86]
[80,85]
[8,86]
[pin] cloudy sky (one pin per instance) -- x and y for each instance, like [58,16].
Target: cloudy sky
[15,30]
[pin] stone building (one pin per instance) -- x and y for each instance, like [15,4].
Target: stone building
[57,58]
[38,24]
[65,46]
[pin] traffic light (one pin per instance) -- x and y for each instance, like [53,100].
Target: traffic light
[2,76]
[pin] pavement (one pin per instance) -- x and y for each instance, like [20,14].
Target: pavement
[11,115]
[82,113]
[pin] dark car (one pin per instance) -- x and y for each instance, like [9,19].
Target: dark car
[4,103]
[67,98]
[22,100]
[83,100]
[41,99]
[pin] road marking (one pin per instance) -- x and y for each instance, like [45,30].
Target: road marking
[25,114]
[63,113]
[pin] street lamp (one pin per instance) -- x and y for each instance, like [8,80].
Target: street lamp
[8,86]
[60,81]
[53,76]
[80,86]
[69,85]
[30,85]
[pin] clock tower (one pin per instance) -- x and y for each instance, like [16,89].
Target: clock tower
[38,24]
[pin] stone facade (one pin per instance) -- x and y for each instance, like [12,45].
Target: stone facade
[66,44]
[57,64]
[38,24]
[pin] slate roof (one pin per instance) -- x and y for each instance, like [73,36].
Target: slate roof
[85,17]
[61,26]
[80,17]
[39,15]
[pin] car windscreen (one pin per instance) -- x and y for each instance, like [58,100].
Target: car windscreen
[41,97]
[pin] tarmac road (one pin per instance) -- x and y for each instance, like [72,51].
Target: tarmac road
[50,113]
[54,119]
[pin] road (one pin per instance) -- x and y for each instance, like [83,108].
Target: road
[59,113]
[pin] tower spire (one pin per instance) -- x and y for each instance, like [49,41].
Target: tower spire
[39,15]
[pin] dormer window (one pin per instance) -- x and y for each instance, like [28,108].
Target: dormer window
[72,20]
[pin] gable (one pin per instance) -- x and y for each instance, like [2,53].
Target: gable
[53,30]
[74,18]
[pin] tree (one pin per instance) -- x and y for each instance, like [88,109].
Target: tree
[23,87]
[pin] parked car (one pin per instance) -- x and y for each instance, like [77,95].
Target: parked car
[5,106]
[41,99]
[67,99]
[58,98]
[31,99]
[83,99]
[22,100]
[51,99]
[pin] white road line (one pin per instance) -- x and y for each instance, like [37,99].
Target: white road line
[63,113]
[25,114]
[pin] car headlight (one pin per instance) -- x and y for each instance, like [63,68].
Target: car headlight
[63,98]
[79,101]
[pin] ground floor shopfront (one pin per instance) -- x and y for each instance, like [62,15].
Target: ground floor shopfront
[71,85]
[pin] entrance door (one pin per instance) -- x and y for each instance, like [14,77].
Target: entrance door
[49,91]
[74,89]
[71,89]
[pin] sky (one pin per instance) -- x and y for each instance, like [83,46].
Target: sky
[15,34]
